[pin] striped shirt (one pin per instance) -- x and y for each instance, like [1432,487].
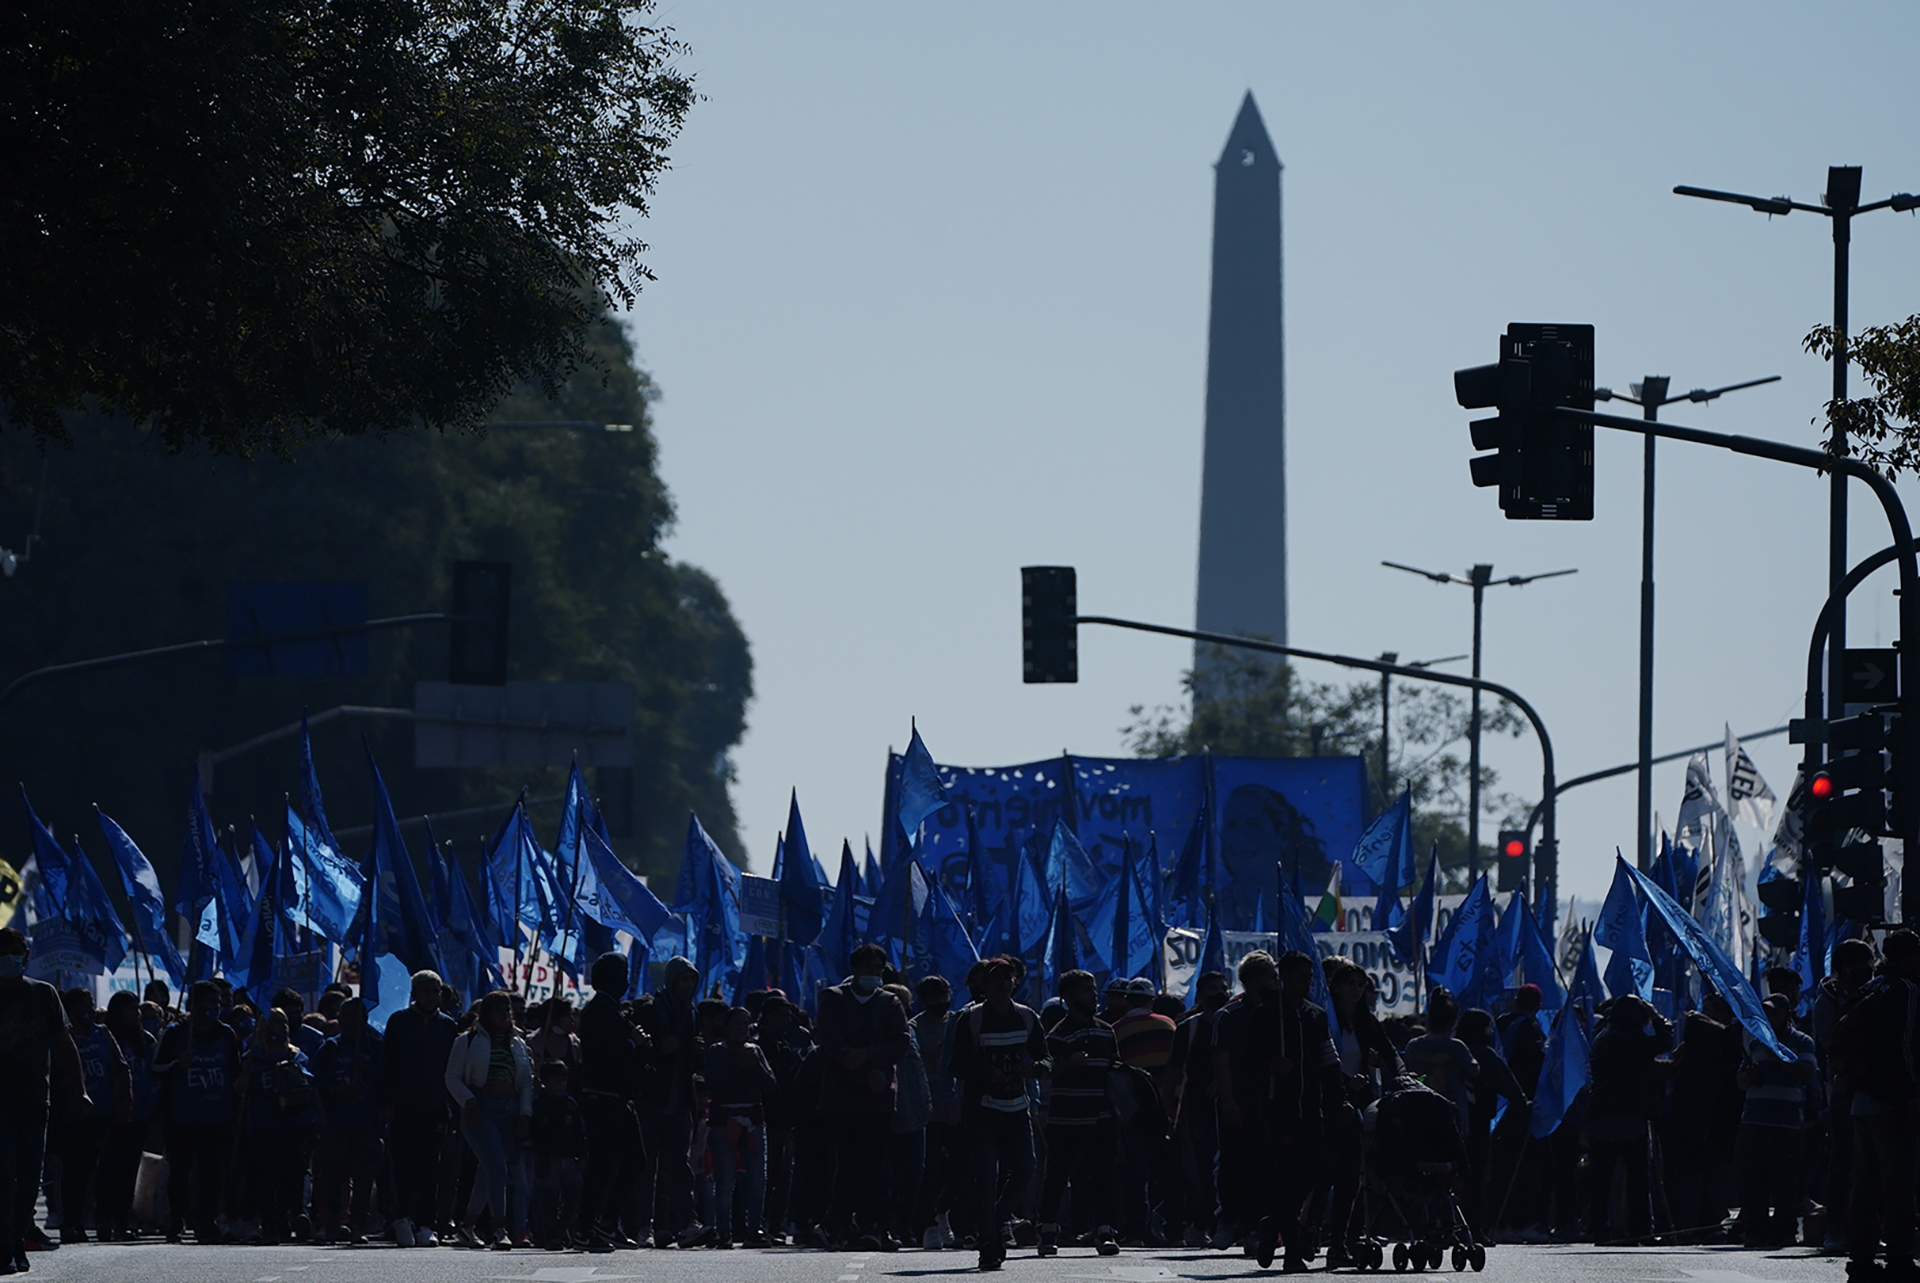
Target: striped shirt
[1779,1098]
[1145,1038]
[1079,1097]
[994,1055]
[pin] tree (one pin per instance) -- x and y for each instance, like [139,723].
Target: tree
[138,547]
[1881,430]
[247,225]
[1252,706]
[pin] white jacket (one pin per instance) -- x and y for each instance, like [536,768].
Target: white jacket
[471,1059]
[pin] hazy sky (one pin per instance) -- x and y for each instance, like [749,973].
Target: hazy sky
[932,305]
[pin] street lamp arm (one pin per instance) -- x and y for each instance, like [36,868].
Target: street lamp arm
[1438,577]
[1703,394]
[1759,204]
[1518,580]
[1901,201]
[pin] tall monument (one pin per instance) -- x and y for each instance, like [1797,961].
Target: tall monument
[1243,491]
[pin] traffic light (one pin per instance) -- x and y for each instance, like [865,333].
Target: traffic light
[1542,464]
[1512,864]
[1781,899]
[477,647]
[1049,627]
[1846,811]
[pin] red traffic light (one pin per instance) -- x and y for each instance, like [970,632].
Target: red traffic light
[1514,849]
[1821,786]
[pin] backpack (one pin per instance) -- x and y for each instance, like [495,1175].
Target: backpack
[294,1090]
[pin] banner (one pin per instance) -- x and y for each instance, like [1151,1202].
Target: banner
[1296,814]
[759,907]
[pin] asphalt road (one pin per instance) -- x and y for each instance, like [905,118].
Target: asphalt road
[149,1261]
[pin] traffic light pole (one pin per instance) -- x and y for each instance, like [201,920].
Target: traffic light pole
[1902,551]
[1546,855]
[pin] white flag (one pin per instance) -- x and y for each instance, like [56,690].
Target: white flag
[1697,805]
[1748,796]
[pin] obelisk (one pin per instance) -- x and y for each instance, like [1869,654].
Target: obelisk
[1243,495]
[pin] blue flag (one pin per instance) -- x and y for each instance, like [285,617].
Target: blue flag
[612,896]
[523,878]
[1063,949]
[67,891]
[1296,934]
[49,894]
[1630,969]
[800,880]
[199,895]
[326,886]
[921,790]
[841,934]
[1586,992]
[903,899]
[1810,958]
[89,910]
[979,907]
[1187,892]
[1384,853]
[1715,967]
[1068,862]
[1562,1075]
[397,922]
[1408,937]
[144,898]
[1028,906]
[870,878]
[1120,928]
[721,947]
[949,952]
[468,946]
[1466,961]
[1213,952]
[1522,945]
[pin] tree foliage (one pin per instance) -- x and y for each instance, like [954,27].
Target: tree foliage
[1881,430]
[138,547]
[249,224]
[1251,706]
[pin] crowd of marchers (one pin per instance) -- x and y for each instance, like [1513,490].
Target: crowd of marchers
[900,1115]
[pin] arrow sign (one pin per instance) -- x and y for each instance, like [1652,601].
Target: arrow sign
[1869,676]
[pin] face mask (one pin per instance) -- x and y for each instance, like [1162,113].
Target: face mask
[13,966]
[866,984]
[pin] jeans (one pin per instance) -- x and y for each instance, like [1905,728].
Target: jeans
[1769,1159]
[665,1191]
[737,1141]
[907,1159]
[79,1144]
[556,1195]
[1619,1143]
[277,1165]
[616,1160]
[1083,1155]
[494,1138]
[860,1171]
[415,1142]
[1002,1164]
[23,1143]
[118,1173]
[1882,1186]
[345,1156]
[203,1152]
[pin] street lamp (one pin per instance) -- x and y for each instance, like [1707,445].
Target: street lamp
[1842,203]
[1386,724]
[1650,394]
[1479,578]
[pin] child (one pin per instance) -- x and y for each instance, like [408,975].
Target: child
[557,1138]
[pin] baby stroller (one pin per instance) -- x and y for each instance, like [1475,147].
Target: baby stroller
[1412,1153]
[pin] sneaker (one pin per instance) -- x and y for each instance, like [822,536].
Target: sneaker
[600,1245]
[1267,1243]
[722,1242]
[467,1236]
[74,1234]
[403,1232]
[947,1237]
[426,1238]
[930,1241]
[756,1238]
[869,1242]
[522,1239]
[1194,1237]
[1103,1241]
[501,1243]
[992,1254]
[1049,1244]
[1222,1238]
[36,1240]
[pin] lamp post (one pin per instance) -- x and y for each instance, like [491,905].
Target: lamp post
[1842,203]
[1650,394]
[1386,721]
[1479,578]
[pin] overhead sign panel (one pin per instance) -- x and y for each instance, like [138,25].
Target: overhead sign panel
[523,724]
[260,613]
